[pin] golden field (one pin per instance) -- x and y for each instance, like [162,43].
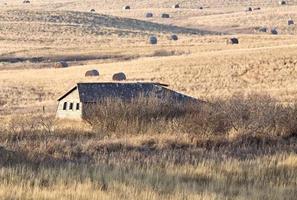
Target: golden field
[66,160]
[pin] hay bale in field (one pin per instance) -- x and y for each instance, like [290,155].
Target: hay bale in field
[174,37]
[282,3]
[126,8]
[61,64]
[165,15]
[92,10]
[92,72]
[262,29]
[249,9]
[201,8]
[26,1]
[153,40]
[119,76]
[176,6]
[149,15]
[290,22]
[233,41]
[257,8]
[274,31]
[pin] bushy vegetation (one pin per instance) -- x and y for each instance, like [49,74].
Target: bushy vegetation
[252,114]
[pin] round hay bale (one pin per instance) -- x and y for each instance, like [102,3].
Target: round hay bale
[61,64]
[233,41]
[174,37]
[282,3]
[258,8]
[249,9]
[165,15]
[92,10]
[26,1]
[176,6]
[126,8]
[149,15]
[201,8]
[153,40]
[262,29]
[92,72]
[290,22]
[274,31]
[119,76]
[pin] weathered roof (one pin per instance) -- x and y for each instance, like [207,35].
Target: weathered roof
[94,92]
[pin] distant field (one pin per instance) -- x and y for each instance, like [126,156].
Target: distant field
[118,4]
[206,68]
[200,63]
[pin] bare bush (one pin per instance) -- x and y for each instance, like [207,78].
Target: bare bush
[259,114]
[21,126]
[253,114]
[2,102]
[163,53]
[138,116]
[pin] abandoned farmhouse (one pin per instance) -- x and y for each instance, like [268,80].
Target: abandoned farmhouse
[73,104]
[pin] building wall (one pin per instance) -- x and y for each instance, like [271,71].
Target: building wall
[68,113]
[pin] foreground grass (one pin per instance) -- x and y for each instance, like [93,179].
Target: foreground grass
[267,177]
[163,166]
[243,148]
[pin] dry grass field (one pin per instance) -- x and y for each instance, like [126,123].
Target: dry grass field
[43,158]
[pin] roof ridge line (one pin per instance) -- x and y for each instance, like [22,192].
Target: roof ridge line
[115,82]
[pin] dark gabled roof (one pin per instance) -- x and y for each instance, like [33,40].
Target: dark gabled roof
[94,92]
[103,83]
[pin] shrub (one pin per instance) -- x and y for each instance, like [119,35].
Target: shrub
[259,114]
[251,114]
[138,116]
[164,53]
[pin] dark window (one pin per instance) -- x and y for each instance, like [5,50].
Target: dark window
[65,106]
[77,106]
[71,106]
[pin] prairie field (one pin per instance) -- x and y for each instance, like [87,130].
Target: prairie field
[242,147]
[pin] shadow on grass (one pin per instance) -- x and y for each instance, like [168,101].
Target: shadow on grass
[85,149]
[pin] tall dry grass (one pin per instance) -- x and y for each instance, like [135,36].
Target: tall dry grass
[272,177]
